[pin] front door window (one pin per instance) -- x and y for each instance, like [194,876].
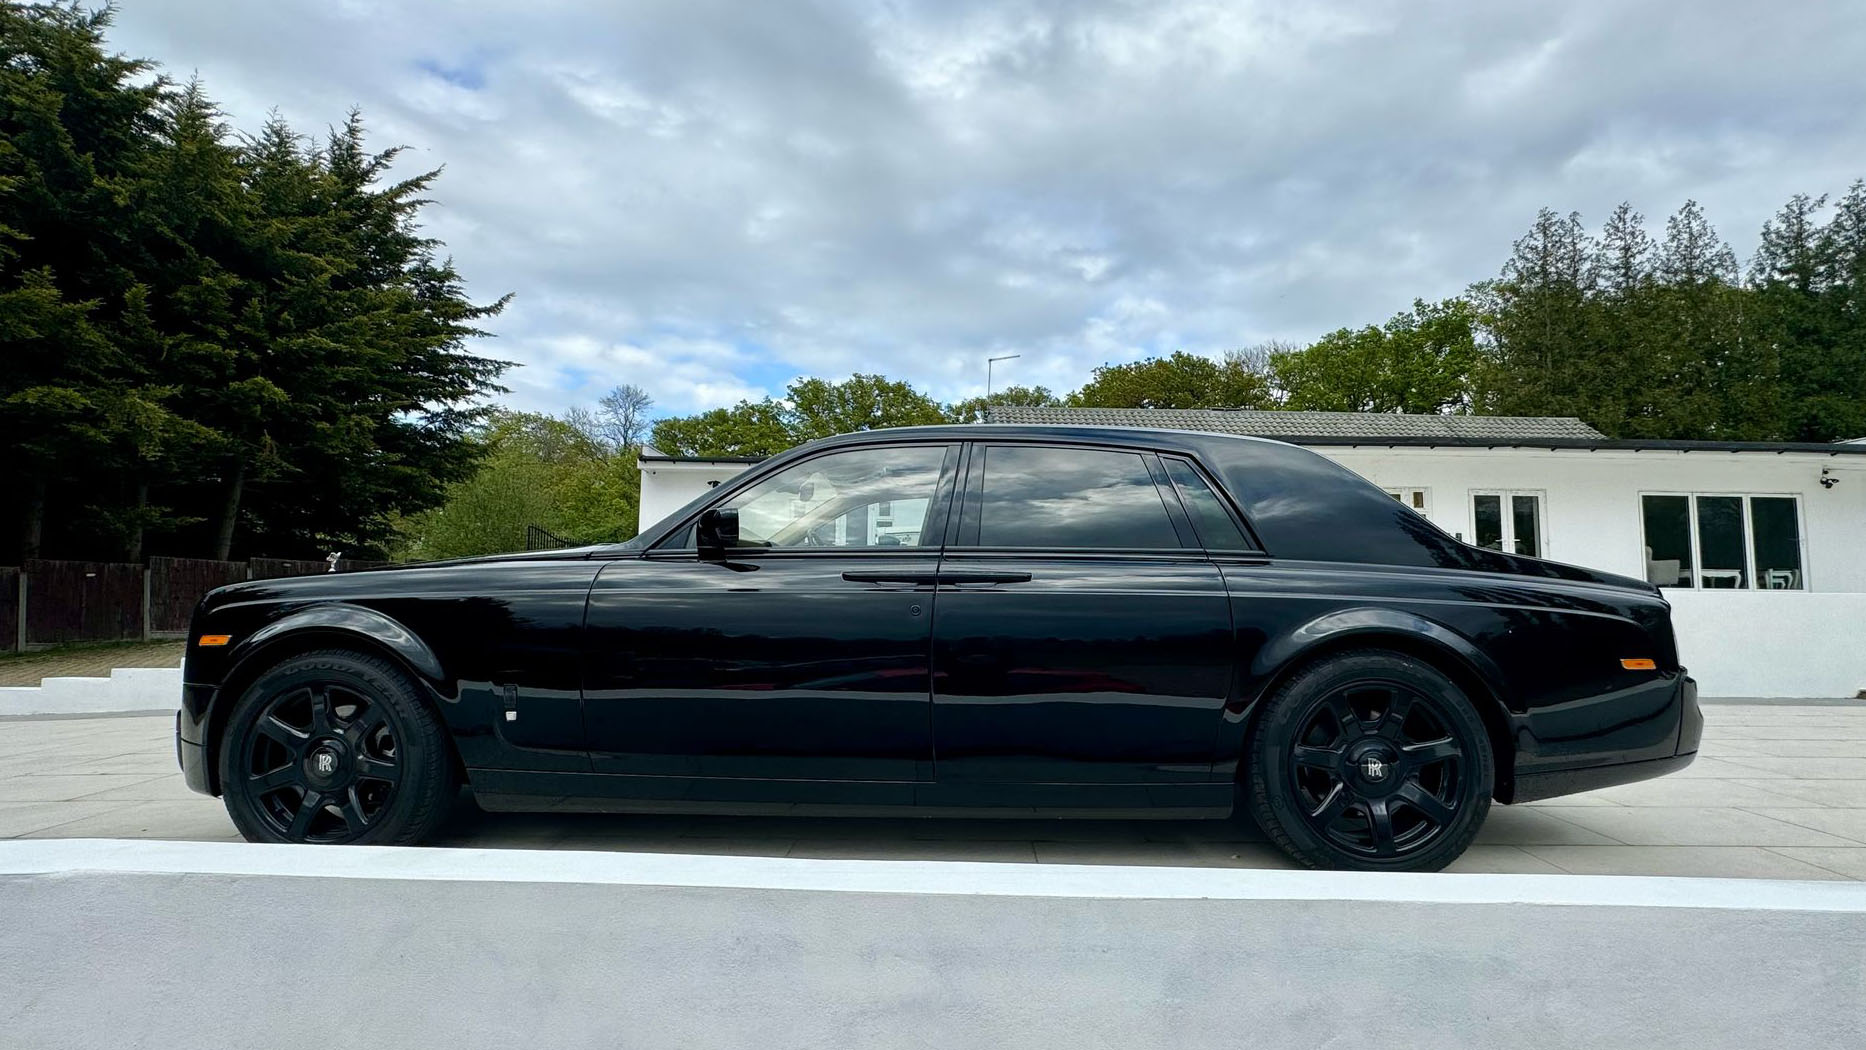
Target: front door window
[872,497]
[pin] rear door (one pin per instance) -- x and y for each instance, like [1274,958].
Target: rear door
[1082,636]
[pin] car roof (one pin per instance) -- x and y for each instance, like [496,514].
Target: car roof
[1165,436]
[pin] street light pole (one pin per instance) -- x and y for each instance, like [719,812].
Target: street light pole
[989,361]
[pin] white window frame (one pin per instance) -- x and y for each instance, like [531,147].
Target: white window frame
[1749,537]
[1509,520]
[1404,494]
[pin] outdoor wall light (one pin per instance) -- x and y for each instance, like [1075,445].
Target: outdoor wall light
[1828,480]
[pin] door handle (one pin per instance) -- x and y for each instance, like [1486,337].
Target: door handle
[892,576]
[984,577]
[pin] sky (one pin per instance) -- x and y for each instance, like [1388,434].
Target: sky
[709,199]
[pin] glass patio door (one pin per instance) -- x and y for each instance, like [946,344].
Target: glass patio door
[1508,521]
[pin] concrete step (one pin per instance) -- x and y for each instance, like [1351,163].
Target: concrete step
[127,689]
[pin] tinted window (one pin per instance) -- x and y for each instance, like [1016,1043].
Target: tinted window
[1069,497]
[1217,529]
[1720,541]
[1668,540]
[1777,541]
[870,497]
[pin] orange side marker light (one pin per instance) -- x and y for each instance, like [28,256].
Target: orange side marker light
[215,639]
[1639,665]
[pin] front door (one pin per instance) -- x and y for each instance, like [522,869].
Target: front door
[802,656]
[1082,636]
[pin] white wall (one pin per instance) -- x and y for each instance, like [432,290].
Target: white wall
[1772,643]
[203,944]
[667,487]
[1591,507]
[1736,643]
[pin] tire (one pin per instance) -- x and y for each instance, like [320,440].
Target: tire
[336,747]
[1370,761]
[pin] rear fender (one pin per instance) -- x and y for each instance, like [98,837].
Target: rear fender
[1400,630]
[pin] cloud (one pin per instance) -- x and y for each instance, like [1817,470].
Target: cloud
[709,198]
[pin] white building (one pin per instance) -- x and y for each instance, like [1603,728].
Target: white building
[1761,547]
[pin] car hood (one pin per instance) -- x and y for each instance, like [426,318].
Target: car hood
[561,554]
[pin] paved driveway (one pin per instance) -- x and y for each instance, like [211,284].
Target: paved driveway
[1779,791]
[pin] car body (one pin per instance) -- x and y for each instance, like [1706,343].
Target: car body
[1021,625]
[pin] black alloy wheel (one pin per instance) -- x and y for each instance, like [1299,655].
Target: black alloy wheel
[322,765]
[334,747]
[1371,761]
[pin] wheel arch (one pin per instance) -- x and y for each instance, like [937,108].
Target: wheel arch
[353,628]
[1424,640]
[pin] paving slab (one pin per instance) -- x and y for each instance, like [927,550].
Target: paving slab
[1786,804]
[1842,860]
[1844,823]
[24,818]
[148,820]
[1696,826]
[1740,862]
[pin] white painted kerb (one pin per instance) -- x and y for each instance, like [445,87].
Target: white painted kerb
[966,878]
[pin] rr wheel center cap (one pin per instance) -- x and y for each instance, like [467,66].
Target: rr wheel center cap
[327,764]
[1375,768]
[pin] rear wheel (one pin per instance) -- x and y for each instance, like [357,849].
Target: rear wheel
[1373,761]
[335,747]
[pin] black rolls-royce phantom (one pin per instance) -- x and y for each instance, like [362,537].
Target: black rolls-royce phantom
[956,618]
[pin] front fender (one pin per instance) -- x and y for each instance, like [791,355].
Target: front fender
[210,690]
[376,629]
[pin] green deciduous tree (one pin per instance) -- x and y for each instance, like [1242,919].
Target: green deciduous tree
[749,428]
[1179,380]
[819,408]
[536,470]
[811,409]
[972,409]
[1419,361]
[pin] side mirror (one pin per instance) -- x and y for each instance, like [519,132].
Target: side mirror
[717,532]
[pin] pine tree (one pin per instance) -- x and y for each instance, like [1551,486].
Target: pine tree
[1541,325]
[1830,372]
[1715,382]
[77,128]
[212,345]
[1785,313]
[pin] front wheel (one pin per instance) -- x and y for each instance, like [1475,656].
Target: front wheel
[1371,761]
[335,747]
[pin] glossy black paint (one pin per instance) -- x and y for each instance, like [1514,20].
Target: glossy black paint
[953,674]
[770,667]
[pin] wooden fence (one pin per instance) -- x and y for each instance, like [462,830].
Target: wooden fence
[82,601]
[176,586]
[10,636]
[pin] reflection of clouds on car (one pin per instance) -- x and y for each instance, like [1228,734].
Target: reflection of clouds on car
[1071,498]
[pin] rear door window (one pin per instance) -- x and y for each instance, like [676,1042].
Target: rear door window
[1070,498]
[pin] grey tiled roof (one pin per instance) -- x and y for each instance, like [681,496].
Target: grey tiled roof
[1275,424]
